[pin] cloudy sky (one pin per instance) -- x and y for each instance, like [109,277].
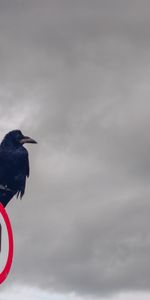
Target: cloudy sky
[75,75]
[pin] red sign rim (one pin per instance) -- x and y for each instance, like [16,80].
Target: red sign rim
[7,267]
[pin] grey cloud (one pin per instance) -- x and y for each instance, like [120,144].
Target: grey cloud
[75,76]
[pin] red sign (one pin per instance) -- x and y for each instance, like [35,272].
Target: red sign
[7,266]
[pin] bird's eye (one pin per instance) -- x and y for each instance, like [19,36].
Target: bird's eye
[19,136]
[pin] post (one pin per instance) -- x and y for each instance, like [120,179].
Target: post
[0,236]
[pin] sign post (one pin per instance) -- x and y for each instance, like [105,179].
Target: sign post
[7,265]
[0,236]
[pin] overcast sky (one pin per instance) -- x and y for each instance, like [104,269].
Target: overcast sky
[75,76]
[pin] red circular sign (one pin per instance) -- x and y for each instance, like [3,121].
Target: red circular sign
[6,269]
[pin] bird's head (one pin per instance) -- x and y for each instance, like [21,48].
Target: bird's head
[16,138]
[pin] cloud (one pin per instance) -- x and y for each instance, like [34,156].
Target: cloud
[26,292]
[75,76]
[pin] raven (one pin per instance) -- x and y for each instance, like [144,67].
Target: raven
[14,165]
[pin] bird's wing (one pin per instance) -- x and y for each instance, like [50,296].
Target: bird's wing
[21,184]
[23,172]
[4,166]
[26,164]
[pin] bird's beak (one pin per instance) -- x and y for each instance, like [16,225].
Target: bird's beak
[27,139]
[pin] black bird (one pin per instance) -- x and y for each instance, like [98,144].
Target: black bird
[14,165]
